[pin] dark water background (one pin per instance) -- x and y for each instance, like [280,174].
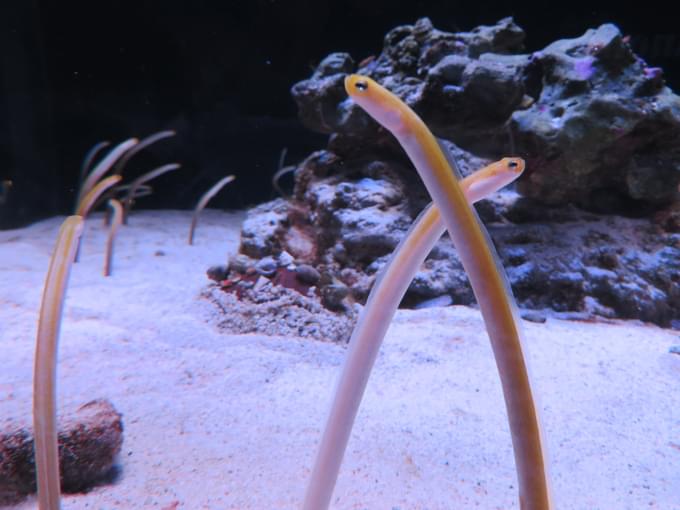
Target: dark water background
[75,73]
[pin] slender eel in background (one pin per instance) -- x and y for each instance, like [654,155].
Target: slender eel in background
[490,288]
[383,300]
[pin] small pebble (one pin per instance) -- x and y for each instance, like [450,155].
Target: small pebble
[266,266]
[285,259]
[307,274]
[218,273]
[533,316]
[240,263]
[444,300]
[674,349]
[333,294]
[261,282]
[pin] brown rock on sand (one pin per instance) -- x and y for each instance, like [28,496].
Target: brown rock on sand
[89,440]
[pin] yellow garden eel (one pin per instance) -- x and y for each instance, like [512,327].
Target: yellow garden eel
[493,294]
[45,371]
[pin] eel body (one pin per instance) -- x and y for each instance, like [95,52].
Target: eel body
[45,367]
[486,278]
[383,301]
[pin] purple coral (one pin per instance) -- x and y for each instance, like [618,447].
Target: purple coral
[584,67]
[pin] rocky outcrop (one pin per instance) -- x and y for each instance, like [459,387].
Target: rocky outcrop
[594,228]
[596,124]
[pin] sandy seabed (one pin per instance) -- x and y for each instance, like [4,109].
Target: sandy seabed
[217,421]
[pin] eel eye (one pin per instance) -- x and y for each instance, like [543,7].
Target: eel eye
[513,164]
[361,85]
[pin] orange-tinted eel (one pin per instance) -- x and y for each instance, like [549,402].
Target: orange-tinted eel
[489,285]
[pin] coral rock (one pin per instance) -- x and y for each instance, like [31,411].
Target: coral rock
[601,136]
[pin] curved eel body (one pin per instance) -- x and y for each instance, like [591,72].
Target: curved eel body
[45,365]
[489,286]
[383,300]
[487,281]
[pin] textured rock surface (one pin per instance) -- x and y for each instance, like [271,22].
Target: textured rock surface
[604,130]
[414,58]
[561,259]
[275,310]
[278,295]
[89,440]
[596,124]
[599,131]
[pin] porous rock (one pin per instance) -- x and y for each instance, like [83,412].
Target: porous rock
[603,131]
[597,125]
[89,441]
[594,228]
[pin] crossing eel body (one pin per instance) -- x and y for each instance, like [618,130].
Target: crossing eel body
[451,209]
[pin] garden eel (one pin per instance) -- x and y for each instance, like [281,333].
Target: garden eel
[451,209]
[45,369]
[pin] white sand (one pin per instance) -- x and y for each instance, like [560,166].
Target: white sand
[232,422]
